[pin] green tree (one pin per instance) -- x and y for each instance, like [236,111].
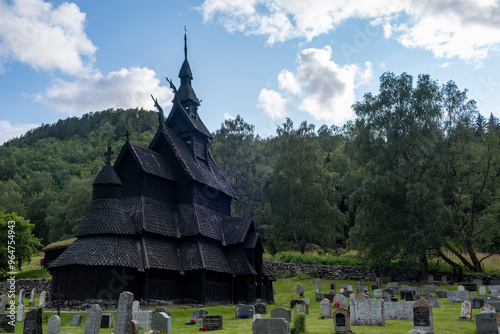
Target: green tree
[300,192]
[17,244]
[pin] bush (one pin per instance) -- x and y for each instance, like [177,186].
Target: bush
[318,259]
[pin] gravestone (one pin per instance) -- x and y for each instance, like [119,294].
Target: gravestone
[143,318]
[326,308]
[41,302]
[281,312]
[430,279]
[301,303]
[341,321]
[493,301]
[378,281]
[442,293]
[432,288]
[298,315]
[422,316]
[346,293]
[409,296]
[359,289]
[486,323]
[494,282]
[21,296]
[398,311]
[257,316]
[477,281]
[394,286]
[332,287]
[270,326]
[341,299]
[134,327]
[349,287]
[32,298]
[487,308]
[162,323]
[477,303]
[482,290]
[444,280]
[319,296]
[367,312]
[76,320]
[124,312]
[20,312]
[385,296]
[424,292]
[242,310]
[6,324]
[318,285]
[54,325]
[377,292]
[307,301]
[457,296]
[107,320]
[136,306]
[93,321]
[215,321]
[433,300]
[33,322]
[197,315]
[473,295]
[460,288]
[299,289]
[260,308]
[466,311]
[162,309]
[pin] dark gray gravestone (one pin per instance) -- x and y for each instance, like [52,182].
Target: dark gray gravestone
[329,296]
[433,300]
[162,323]
[486,323]
[442,293]
[477,303]
[422,316]
[398,311]
[300,302]
[244,310]
[299,289]
[33,322]
[493,301]
[93,321]
[214,321]
[341,321]
[341,299]
[162,309]
[346,293]
[260,308]
[54,325]
[107,320]
[124,312]
[7,325]
[76,320]
[196,316]
[319,296]
[270,326]
[281,312]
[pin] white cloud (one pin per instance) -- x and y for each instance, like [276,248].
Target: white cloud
[324,89]
[9,131]
[466,29]
[45,37]
[229,117]
[273,104]
[127,88]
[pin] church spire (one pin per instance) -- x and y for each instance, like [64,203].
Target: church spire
[185,44]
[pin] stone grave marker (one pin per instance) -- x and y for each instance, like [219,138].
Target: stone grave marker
[341,321]
[432,288]
[93,321]
[332,287]
[346,293]
[482,290]
[197,315]
[341,299]
[20,312]
[442,293]
[281,312]
[477,281]
[21,296]
[162,309]
[352,297]
[33,322]
[107,320]
[242,310]
[430,279]
[498,322]
[319,296]
[349,287]
[466,311]
[367,312]
[377,292]
[298,312]
[299,289]
[422,316]
[76,320]
[32,298]
[162,323]
[460,288]
[307,301]
[300,302]
[398,311]
[134,327]
[54,325]
[385,296]
[394,286]
[486,323]
[493,301]
[41,302]
[326,308]
[487,308]
[444,280]
[457,296]
[143,318]
[495,282]
[495,292]
[255,316]
[359,289]
[433,300]
[260,308]
[318,285]
[409,296]
[424,292]
[136,306]
[6,324]
[473,295]
[270,326]
[124,312]
[477,303]
[378,281]
[216,320]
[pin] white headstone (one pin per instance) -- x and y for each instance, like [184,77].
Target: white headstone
[41,302]
[257,316]
[143,318]
[21,296]
[487,308]
[136,306]
[466,311]
[482,290]
[20,312]
[326,308]
[460,288]
[307,301]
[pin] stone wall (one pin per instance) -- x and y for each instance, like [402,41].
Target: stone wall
[42,284]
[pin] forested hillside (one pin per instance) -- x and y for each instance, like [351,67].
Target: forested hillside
[415,176]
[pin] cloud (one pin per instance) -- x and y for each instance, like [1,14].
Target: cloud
[229,117]
[324,89]
[273,104]
[45,37]
[464,28]
[9,131]
[126,88]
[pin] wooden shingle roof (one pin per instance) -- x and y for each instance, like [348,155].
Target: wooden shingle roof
[105,216]
[107,175]
[235,229]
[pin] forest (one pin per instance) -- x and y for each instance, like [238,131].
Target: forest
[415,176]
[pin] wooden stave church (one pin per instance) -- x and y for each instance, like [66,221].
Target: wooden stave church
[159,224]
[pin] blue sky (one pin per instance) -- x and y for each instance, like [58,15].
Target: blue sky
[262,59]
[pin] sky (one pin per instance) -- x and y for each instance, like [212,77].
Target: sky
[264,60]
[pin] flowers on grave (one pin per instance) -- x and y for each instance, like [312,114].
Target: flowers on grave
[359,322]
[206,329]
[243,316]
[191,322]
[336,305]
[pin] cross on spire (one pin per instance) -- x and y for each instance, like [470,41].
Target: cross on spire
[108,155]
[127,134]
[185,44]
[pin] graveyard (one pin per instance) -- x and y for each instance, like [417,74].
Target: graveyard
[445,319]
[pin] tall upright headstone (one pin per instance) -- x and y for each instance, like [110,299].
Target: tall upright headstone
[422,316]
[124,312]
[134,326]
[143,318]
[161,323]
[33,322]
[136,306]
[318,285]
[41,302]
[32,298]
[482,290]
[54,325]
[341,321]
[93,320]
[21,296]
[466,311]
[20,312]
[326,308]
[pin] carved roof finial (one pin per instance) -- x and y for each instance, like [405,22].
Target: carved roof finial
[185,44]
[108,155]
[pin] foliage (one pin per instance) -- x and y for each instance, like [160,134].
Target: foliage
[17,244]
[318,259]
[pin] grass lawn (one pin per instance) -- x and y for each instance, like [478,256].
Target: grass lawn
[445,317]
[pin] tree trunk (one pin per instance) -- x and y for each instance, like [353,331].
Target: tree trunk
[447,259]
[424,264]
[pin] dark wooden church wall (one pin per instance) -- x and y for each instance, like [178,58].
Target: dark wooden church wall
[128,172]
[212,199]
[160,189]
